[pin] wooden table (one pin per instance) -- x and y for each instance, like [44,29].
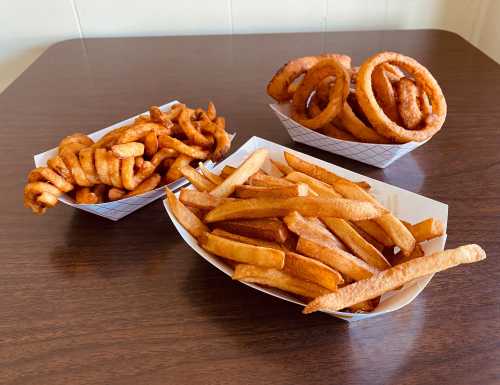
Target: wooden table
[84,300]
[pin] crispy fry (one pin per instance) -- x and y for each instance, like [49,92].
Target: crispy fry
[215,179]
[338,259]
[356,243]
[242,238]
[147,185]
[40,195]
[42,174]
[263,180]
[297,190]
[316,171]
[312,229]
[401,236]
[136,132]
[375,231]
[76,138]
[163,154]
[185,217]
[174,172]
[211,111]
[271,229]
[115,193]
[312,270]
[321,188]
[144,172]
[242,252]
[197,180]
[425,230]
[249,167]
[127,150]
[401,257]
[84,196]
[182,148]
[222,139]
[57,164]
[101,165]
[73,164]
[138,162]
[282,167]
[150,144]
[200,199]
[195,136]
[395,277]
[86,158]
[278,279]
[308,206]
[114,170]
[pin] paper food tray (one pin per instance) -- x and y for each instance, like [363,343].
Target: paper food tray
[378,155]
[117,209]
[404,204]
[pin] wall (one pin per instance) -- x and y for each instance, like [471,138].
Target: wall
[30,26]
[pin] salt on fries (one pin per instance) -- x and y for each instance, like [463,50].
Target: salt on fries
[310,232]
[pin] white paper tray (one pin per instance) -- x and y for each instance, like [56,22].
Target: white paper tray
[404,204]
[117,209]
[378,155]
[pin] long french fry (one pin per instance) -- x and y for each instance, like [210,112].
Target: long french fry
[260,179]
[321,188]
[425,230]
[182,148]
[282,167]
[215,179]
[312,270]
[375,231]
[186,218]
[308,206]
[249,167]
[356,243]
[316,171]
[336,258]
[296,190]
[278,279]
[200,199]
[311,229]
[395,277]
[196,179]
[271,229]
[242,238]
[242,252]
[398,232]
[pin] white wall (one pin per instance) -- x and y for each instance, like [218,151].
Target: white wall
[28,27]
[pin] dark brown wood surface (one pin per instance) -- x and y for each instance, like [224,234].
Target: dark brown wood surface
[84,300]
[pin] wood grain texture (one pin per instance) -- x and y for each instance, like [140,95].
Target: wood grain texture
[87,301]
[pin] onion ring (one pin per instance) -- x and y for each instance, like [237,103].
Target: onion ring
[380,121]
[337,97]
[337,133]
[425,104]
[277,88]
[348,120]
[408,103]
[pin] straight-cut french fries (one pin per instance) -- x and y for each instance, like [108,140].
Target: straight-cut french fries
[395,277]
[278,279]
[310,232]
[425,230]
[376,232]
[196,179]
[271,229]
[242,238]
[361,248]
[296,190]
[312,270]
[338,259]
[398,232]
[242,252]
[309,206]
[185,217]
[200,199]
[316,171]
[249,167]
[312,229]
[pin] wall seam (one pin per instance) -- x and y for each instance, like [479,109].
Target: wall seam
[77,17]
[231,16]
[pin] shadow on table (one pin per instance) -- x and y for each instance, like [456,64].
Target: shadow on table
[257,324]
[91,243]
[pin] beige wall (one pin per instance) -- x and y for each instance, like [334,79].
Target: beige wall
[30,26]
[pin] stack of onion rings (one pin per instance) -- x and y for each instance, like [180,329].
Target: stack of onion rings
[394,99]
